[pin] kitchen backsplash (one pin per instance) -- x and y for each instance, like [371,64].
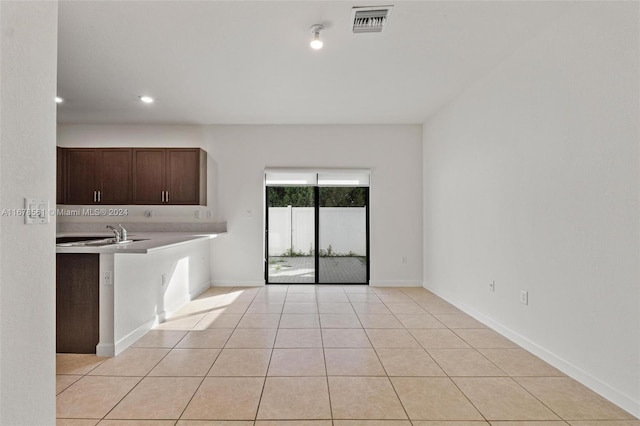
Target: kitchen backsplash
[205,227]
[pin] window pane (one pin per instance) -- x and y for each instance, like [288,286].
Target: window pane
[343,235]
[291,234]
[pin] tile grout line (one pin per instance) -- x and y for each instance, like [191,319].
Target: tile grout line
[141,378]
[324,356]
[206,374]
[171,349]
[450,377]
[211,367]
[395,391]
[322,341]
[198,387]
[507,376]
[266,373]
[456,385]
[137,384]
[538,399]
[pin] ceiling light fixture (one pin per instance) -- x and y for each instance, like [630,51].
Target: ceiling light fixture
[146,99]
[59,100]
[316,43]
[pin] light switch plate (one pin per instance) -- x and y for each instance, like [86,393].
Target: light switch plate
[36,211]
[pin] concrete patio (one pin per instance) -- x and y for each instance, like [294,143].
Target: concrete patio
[301,269]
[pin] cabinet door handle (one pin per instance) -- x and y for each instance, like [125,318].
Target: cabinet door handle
[95,196]
[167,197]
[99,196]
[162,196]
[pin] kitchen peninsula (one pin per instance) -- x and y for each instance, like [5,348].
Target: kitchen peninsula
[111,295]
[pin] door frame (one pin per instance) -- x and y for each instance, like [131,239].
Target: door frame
[316,199]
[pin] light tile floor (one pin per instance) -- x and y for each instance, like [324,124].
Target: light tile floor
[323,355]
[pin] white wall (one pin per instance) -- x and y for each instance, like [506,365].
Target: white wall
[531,179]
[392,152]
[28,49]
[237,157]
[140,300]
[164,136]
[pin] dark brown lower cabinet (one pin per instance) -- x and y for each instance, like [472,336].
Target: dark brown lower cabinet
[77,303]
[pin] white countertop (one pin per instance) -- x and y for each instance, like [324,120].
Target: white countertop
[151,241]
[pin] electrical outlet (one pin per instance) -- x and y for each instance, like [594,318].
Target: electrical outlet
[524,297]
[108,278]
[492,285]
[196,214]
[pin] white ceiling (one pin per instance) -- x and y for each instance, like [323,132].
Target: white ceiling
[246,62]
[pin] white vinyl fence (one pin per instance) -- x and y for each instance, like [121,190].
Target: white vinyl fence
[291,229]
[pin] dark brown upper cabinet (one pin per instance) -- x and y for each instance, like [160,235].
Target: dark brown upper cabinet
[174,176]
[97,175]
[171,176]
[60,174]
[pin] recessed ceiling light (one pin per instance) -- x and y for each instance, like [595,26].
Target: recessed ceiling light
[316,43]
[59,100]
[146,99]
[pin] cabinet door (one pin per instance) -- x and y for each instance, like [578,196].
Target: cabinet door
[60,175]
[183,176]
[81,182]
[148,176]
[115,176]
[77,302]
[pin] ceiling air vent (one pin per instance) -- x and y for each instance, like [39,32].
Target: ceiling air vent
[369,19]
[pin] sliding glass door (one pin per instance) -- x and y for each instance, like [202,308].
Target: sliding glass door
[342,225]
[291,237]
[317,229]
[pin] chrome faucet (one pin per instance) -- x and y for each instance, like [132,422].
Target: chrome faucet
[115,232]
[123,232]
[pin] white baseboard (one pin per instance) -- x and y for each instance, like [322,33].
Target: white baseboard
[104,349]
[111,350]
[234,283]
[132,337]
[395,283]
[376,283]
[199,290]
[605,390]
[170,310]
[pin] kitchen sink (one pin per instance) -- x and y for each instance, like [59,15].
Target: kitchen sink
[85,238]
[89,241]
